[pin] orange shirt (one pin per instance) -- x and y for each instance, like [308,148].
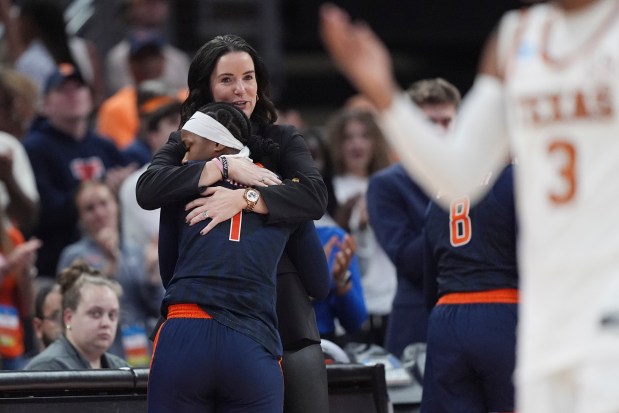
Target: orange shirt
[11,328]
[118,119]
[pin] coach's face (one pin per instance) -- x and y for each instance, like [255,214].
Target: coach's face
[234,81]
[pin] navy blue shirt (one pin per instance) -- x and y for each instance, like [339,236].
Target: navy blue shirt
[473,248]
[60,163]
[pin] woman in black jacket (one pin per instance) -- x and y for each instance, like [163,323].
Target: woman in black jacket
[228,69]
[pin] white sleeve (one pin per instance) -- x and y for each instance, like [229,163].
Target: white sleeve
[456,163]
[22,169]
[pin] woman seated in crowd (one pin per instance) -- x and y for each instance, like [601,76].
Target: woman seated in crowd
[133,266]
[91,307]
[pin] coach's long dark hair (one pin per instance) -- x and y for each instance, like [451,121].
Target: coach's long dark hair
[202,67]
[239,126]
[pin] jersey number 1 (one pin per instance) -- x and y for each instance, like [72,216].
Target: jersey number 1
[235,227]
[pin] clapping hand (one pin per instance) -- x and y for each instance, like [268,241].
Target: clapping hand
[341,261]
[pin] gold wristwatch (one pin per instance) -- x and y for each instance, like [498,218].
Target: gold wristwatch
[251,196]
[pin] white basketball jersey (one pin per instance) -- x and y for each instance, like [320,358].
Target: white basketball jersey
[562,86]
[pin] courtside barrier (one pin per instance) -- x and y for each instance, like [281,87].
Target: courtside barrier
[352,388]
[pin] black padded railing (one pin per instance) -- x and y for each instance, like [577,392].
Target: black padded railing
[352,388]
[29,382]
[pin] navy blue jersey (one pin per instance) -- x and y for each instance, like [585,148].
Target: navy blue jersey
[472,248]
[231,273]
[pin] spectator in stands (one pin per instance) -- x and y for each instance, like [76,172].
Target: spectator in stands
[64,151]
[18,191]
[358,149]
[345,303]
[18,100]
[38,43]
[149,15]
[91,309]
[159,110]
[397,208]
[47,320]
[118,117]
[135,267]
[17,259]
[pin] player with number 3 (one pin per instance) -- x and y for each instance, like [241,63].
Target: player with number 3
[546,93]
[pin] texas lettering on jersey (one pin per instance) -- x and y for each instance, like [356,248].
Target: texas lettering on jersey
[544,110]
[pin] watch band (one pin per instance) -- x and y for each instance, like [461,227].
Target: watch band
[220,166]
[250,204]
[224,169]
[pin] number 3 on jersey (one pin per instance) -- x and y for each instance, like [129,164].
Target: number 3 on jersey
[567,171]
[460,229]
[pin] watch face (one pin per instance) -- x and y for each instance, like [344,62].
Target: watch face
[252,196]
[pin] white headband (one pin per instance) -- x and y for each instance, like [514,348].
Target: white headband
[206,127]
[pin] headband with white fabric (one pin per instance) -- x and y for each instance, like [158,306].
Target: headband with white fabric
[206,127]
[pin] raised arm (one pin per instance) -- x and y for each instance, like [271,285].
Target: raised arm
[14,41]
[18,178]
[346,302]
[454,164]
[166,181]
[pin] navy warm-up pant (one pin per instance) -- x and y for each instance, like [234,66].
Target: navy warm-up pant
[471,354]
[201,365]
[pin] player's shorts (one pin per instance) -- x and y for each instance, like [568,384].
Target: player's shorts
[471,350]
[201,365]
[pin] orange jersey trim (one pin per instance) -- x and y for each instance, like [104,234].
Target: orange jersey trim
[235,227]
[179,311]
[186,311]
[501,296]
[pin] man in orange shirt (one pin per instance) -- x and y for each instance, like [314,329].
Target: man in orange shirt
[118,118]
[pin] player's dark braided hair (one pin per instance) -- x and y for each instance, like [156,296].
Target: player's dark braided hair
[202,67]
[239,126]
[231,117]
